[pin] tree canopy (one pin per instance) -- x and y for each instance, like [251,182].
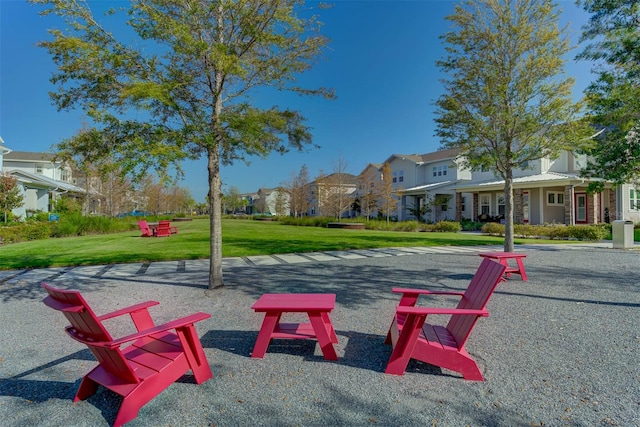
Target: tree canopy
[613,44]
[507,100]
[176,82]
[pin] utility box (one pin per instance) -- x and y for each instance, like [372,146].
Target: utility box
[622,233]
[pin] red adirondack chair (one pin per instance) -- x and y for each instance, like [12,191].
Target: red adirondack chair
[413,338]
[155,358]
[165,223]
[163,229]
[145,229]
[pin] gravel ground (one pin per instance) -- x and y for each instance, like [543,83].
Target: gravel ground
[562,349]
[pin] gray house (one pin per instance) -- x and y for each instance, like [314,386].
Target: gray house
[41,178]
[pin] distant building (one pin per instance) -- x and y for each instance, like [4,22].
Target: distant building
[41,178]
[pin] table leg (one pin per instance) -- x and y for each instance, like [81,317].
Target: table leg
[505,262]
[324,331]
[271,319]
[332,332]
[523,273]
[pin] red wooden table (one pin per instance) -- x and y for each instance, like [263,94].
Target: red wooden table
[317,307]
[503,257]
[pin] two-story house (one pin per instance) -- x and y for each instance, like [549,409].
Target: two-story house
[429,181]
[545,191]
[333,195]
[548,191]
[41,178]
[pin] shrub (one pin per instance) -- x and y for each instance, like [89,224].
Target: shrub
[447,226]
[592,233]
[493,228]
[26,231]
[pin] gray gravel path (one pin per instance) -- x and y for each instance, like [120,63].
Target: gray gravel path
[562,349]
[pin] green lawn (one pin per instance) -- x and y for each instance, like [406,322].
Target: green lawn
[239,238]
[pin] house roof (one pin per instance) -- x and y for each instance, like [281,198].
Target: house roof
[427,187]
[43,181]
[549,178]
[346,178]
[29,156]
[448,153]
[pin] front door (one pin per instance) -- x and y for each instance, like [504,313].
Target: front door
[581,207]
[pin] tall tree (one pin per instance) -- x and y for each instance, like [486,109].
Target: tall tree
[336,192]
[282,201]
[10,195]
[177,84]
[389,197]
[507,101]
[613,43]
[299,190]
[369,189]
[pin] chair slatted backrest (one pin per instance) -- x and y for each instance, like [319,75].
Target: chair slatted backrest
[164,228]
[89,330]
[144,227]
[476,297]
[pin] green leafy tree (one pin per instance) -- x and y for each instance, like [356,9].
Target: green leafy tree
[613,43]
[177,84]
[232,200]
[10,195]
[507,101]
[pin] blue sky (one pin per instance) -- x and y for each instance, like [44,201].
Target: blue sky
[381,63]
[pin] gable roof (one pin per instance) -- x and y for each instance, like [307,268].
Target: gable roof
[541,180]
[435,156]
[43,181]
[449,153]
[30,156]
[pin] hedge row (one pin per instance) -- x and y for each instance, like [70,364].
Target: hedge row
[559,232]
[72,224]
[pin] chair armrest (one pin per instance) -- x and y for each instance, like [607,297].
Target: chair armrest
[174,324]
[424,292]
[401,309]
[128,310]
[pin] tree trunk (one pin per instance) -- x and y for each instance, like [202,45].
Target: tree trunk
[215,222]
[508,214]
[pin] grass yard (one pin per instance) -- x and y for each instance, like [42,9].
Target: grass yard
[239,238]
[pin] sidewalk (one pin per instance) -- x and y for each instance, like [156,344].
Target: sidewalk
[560,349]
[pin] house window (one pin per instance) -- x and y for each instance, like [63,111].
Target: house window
[39,169]
[398,176]
[485,204]
[435,171]
[501,204]
[634,199]
[63,175]
[442,170]
[463,203]
[555,199]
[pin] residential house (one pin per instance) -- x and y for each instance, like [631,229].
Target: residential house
[333,195]
[42,179]
[545,191]
[271,201]
[549,191]
[429,181]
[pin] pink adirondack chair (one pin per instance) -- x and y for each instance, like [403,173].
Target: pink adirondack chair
[163,229]
[167,224]
[413,338]
[145,229]
[155,358]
